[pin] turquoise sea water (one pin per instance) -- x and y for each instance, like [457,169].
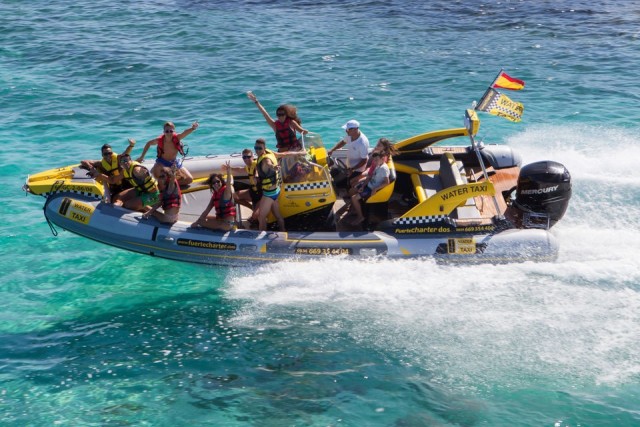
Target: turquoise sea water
[91,335]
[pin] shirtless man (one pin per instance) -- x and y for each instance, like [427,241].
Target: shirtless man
[169,145]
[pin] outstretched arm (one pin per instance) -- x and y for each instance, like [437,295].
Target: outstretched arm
[290,153]
[266,115]
[132,143]
[298,128]
[188,131]
[150,212]
[340,144]
[149,143]
[204,214]
[89,164]
[228,191]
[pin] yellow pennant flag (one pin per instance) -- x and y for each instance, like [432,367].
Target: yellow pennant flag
[498,104]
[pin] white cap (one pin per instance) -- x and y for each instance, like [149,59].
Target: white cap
[351,124]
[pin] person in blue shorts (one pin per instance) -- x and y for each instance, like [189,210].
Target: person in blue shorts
[169,146]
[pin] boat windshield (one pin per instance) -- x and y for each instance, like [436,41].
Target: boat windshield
[312,141]
[300,169]
[316,153]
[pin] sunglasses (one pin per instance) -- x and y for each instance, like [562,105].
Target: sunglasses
[217,181]
[280,113]
[107,153]
[258,148]
[168,131]
[125,160]
[247,157]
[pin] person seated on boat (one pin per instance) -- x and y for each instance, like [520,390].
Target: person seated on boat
[169,146]
[297,172]
[370,185]
[107,171]
[285,127]
[249,197]
[383,146]
[386,149]
[222,200]
[144,191]
[170,198]
[357,145]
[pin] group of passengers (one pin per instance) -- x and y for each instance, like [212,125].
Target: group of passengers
[130,184]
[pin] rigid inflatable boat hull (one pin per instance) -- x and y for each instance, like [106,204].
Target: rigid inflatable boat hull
[124,229]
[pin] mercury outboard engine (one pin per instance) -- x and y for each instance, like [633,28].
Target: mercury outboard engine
[542,195]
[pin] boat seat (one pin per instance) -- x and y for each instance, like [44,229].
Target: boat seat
[384,194]
[451,171]
[430,167]
[425,186]
[467,212]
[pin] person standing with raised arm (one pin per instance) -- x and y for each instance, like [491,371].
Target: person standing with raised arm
[169,146]
[285,127]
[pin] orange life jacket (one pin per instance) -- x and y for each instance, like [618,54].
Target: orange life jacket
[224,208]
[176,143]
[286,136]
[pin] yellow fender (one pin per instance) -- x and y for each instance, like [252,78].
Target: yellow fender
[53,174]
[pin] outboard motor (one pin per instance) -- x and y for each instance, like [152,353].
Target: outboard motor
[542,195]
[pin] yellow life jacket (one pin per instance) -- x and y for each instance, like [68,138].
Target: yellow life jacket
[251,171]
[271,180]
[111,168]
[149,185]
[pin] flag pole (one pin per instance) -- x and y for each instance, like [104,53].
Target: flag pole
[472,123]
[497,77]
[486,92]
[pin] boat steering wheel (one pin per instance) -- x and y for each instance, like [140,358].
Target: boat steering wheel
[339,163]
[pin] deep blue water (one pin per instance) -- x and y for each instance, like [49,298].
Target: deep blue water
[91,335]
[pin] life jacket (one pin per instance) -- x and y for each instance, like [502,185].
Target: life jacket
[171,200]
[112,167]
[286,136]
[272,179]
[251,171]
[228,208]
[176,143]
[148,185]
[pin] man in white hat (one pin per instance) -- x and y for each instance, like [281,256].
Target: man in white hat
[358,148]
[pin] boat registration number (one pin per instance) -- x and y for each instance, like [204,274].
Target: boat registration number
[462,246]
[323,251]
